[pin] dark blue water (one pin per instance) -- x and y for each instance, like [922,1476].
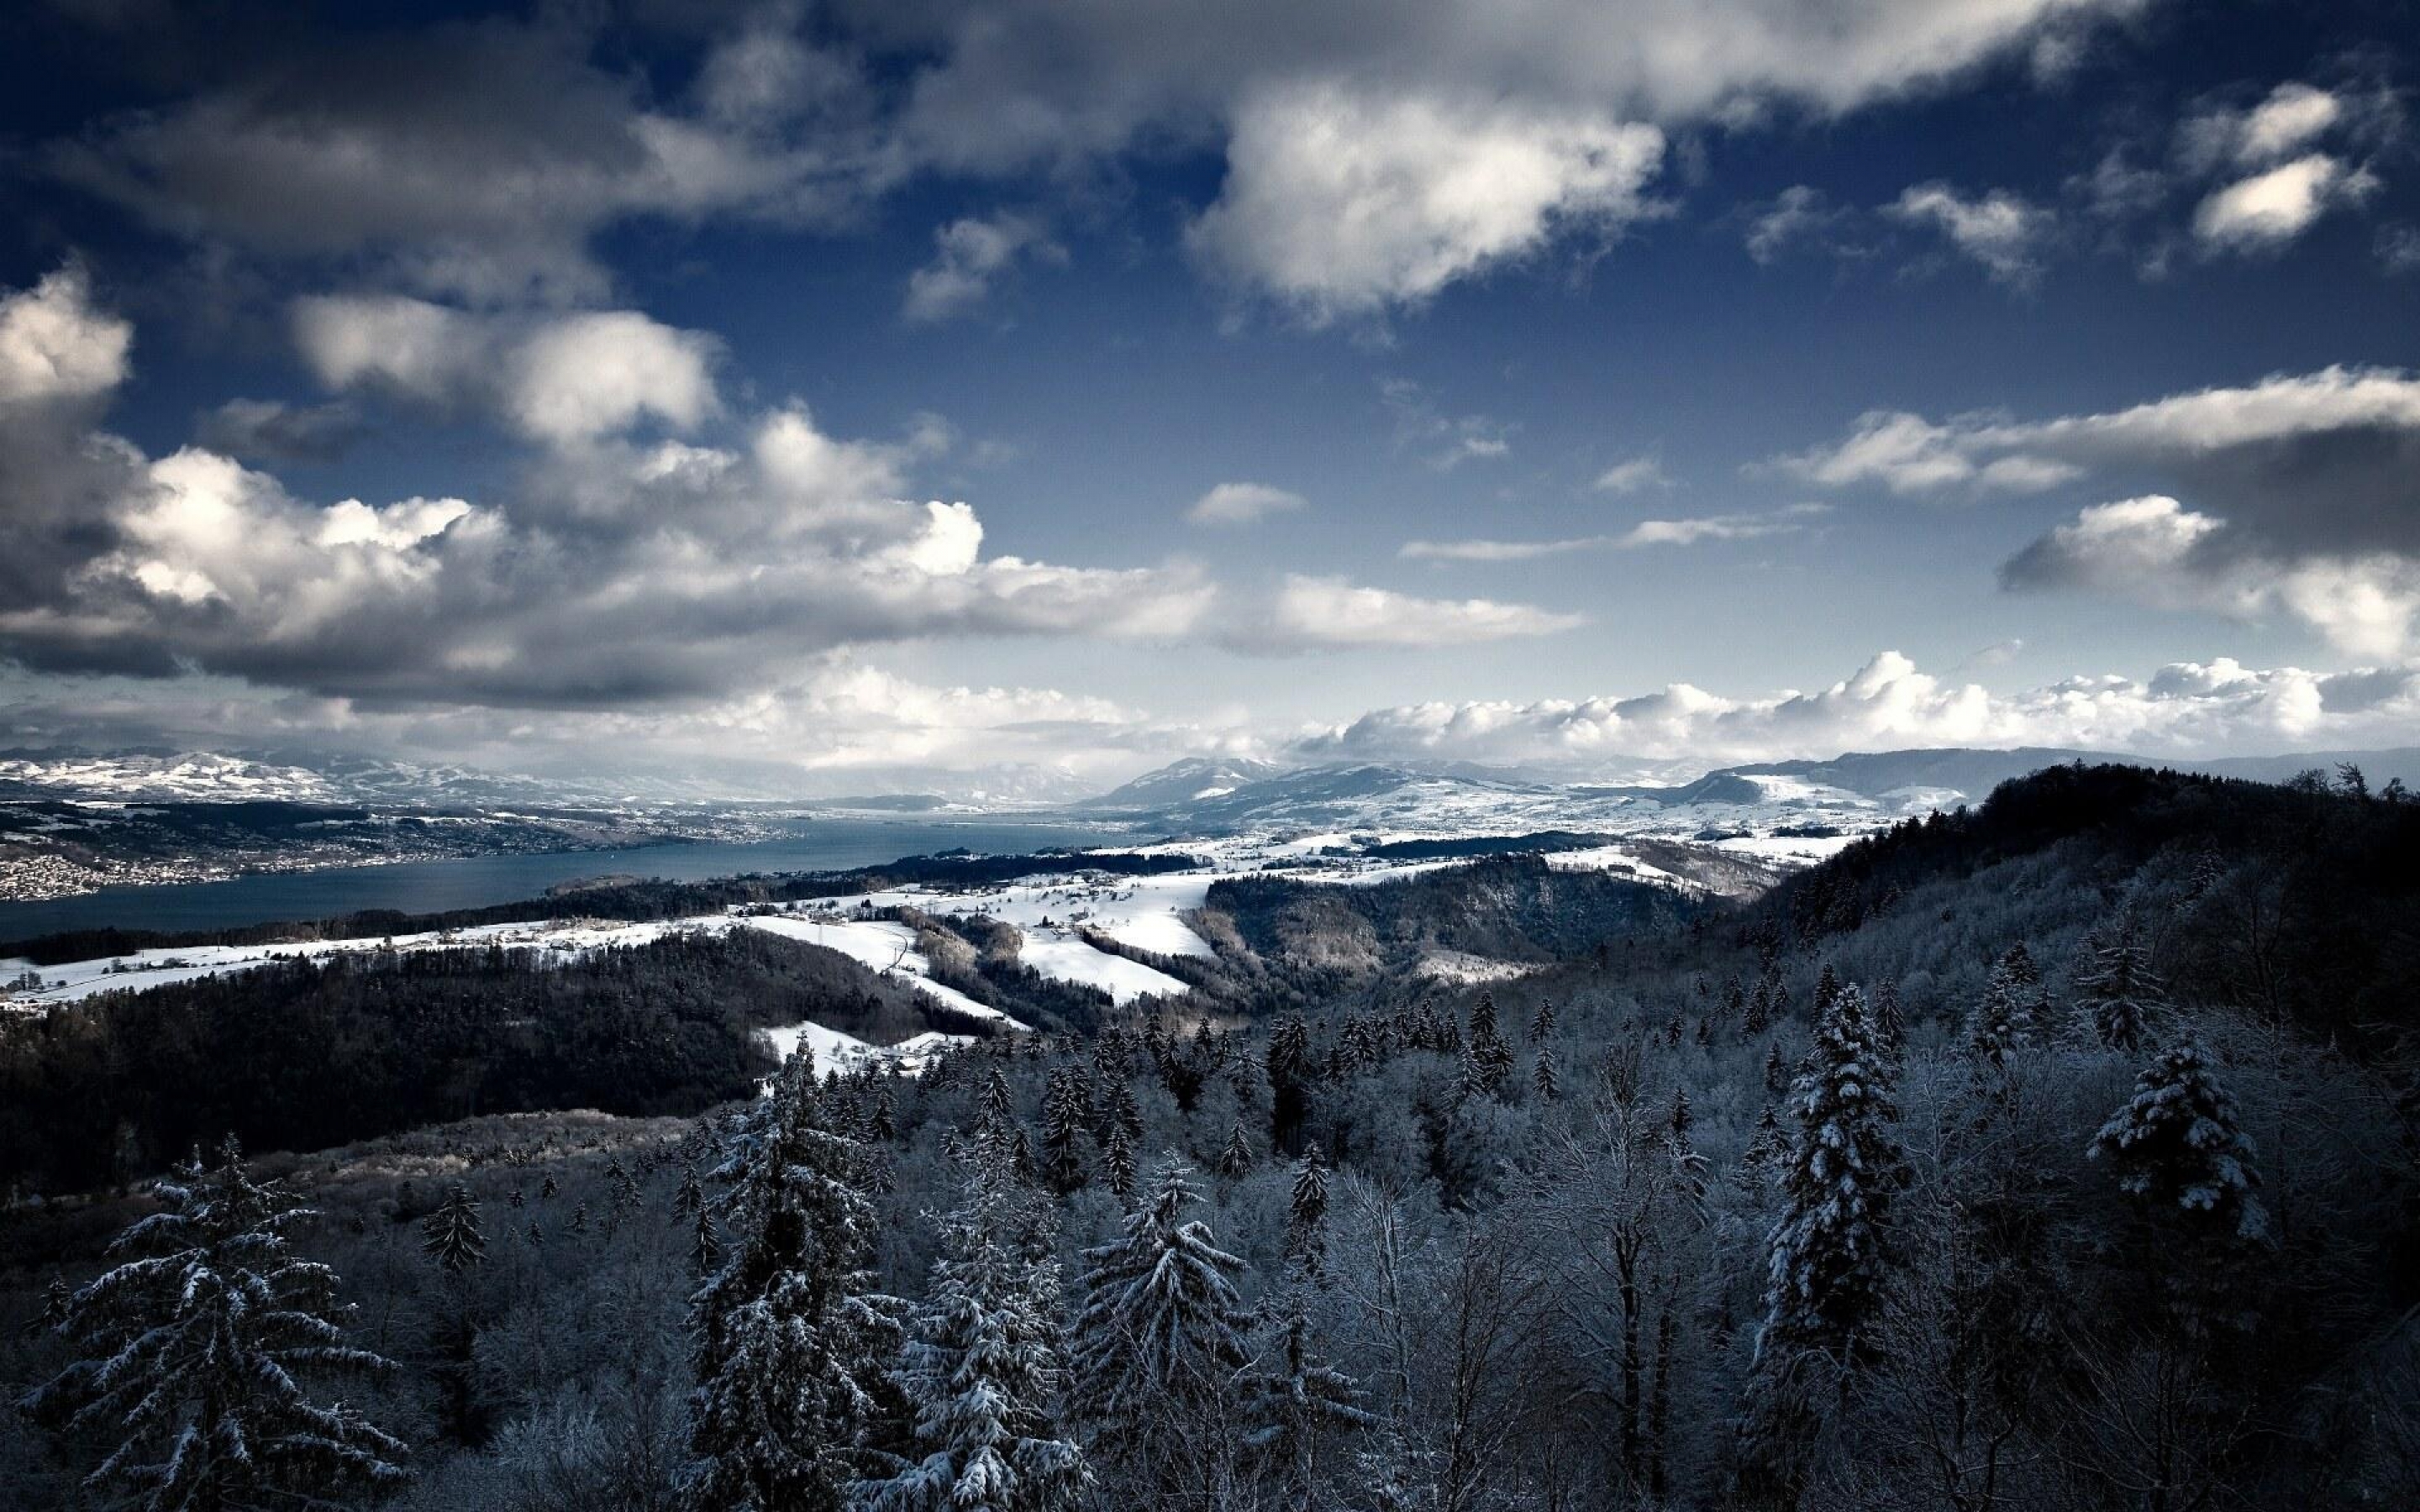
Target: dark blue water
[475,882]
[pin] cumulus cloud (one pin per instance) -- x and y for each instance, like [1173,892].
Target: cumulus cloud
[1344,202]
[1998,229]
[970,255]
[1646,532]
[2184,709]
[1630,475]
[558,377]
[54,346]
[618,573]
[1242,503]
[482,159]
[478,160]
[2271,209]
[2297,494]
[1311,613]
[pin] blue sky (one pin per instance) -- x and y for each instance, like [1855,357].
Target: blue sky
[1546,385]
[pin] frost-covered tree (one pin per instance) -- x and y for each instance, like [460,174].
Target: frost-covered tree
[1544,1077]
[199,1343]
[791,1339]
[1308,1211]
[982,1368]
[1159,1343]
[1487,1060]
[1828,1253]
[1236,1157]
[450,1236]
[1066,1113]
[2178,1147]
[1998,1030]
[2118,991]
[1296,1404]
[1118,1167]
[1541,1022]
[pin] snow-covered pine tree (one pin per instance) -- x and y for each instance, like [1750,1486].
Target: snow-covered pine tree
[1297,1403]
[451,1236]
[1307,1212]
[1159,1342]
[1236,1159]
[2178,1147]
[201,1339]
[1890,1024]
[1829,1250]
[981,1370]
[1487,1059]
[2117,990]
[1828,1253]
[1777,1070]
[1541,1022]
[1997,1030]
[1065,1112]
[791,1339]
[1544,1077]
[1118,1169]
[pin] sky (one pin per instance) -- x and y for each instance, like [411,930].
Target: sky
[922,394]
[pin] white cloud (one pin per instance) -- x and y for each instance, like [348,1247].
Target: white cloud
[1646,532]
[1999,229]
[1330,614]
[2184,709]
[1346,203]
[54,346]
[2297,495]
[2294,116]
[1242,503]
[970,255]
[1631,475]
[2271,209]
[557,378]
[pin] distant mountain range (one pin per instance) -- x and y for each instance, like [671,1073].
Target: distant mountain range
[1199,792]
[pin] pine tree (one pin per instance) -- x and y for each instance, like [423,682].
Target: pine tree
[2118,989]
[982,1368]
[1297,1403]
[705,1246]
[1541,1022]
[201,1340]
[1828,1253]
[1996,1031]
[1118,1163]
[1890,1024]
[1159,1340]
[1235,1160]
[450,1236]
[1489,1060]
[2178,1145]
[1777,1070]
[1545,1077]
[1307,1212]
[1065,1112]
[791,1339]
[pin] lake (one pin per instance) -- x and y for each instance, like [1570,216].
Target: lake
[477,881]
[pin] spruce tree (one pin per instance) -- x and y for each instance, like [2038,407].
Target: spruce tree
[981,1367]
[791,1338]
[1829,1250]
[450,1236]
[1118,1163]
[2178,1147]
[1997,1030]
[1307,1212]
[1296,1403]
[1545,1077]
[199,1345]
[1065,1112]
[1488,1059]
[2118,989]
[1159,1342]
[1828,1253]
[1236,1159]
[1541,1022]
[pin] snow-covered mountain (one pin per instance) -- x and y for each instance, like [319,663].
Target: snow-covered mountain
[205,776]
